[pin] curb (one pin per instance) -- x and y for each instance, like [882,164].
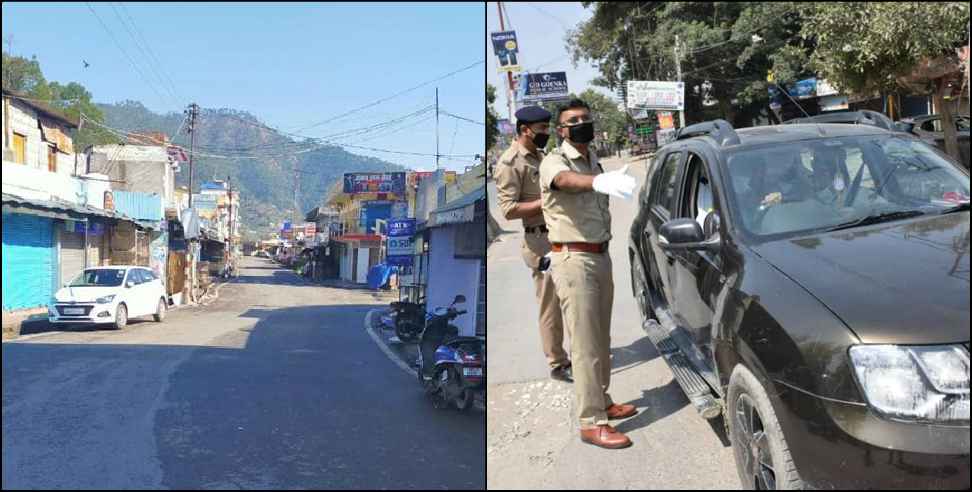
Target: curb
[368,325]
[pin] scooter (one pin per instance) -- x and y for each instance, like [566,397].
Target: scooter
[408,319]
[451,368]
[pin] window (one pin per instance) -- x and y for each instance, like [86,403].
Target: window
[697,201]
[134,276]
[148,275]
[52,158]
[19,148]
[665,191]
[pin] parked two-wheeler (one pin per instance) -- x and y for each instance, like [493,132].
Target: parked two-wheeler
[450,367]
[408,318]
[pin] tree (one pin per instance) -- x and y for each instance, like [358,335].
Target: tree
[730,45]
[867,47]
[23,75]
[607,117]
[492,132]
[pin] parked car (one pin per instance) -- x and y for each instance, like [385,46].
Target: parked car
[929,128]
[810,285]
[109,295]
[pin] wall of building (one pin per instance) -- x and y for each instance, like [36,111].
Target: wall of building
[449,276]
[23,120]
[143,168]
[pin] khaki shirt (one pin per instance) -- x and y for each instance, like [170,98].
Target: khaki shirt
[573,217]
[517,177]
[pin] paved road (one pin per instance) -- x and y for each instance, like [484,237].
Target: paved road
[275,385]
[532,439]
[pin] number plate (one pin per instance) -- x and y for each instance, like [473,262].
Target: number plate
[472,371]
[73,310]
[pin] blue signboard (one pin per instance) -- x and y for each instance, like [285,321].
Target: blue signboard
[373,210]
[400,246]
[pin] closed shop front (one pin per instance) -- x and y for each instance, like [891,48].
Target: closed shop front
[71,250]
[28,256]
[98,233]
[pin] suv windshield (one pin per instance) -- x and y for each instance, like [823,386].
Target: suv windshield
[839,182]
[99,277]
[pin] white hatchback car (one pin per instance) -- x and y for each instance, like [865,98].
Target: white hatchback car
[109,295]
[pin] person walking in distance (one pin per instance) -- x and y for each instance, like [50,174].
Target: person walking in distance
[518,189]
[574,194]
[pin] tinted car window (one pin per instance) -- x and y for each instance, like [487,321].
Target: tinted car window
[148,275]
[665,190]
[99,277]
[134,276]
[852,178]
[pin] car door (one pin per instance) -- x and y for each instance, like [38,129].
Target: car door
[661,201]
[148,292]
[696,277]
[140,293]
[154,290]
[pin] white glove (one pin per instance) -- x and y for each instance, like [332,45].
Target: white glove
[615,183]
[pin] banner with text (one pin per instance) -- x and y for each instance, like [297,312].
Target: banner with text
[400,245]
[505,48]
[656,95]
[374,183]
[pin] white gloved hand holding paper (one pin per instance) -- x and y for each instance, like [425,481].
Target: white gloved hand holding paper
[615,183]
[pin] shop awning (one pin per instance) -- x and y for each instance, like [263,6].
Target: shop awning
[65,211]
[460,211]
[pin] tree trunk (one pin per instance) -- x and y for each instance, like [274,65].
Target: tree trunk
[948,121]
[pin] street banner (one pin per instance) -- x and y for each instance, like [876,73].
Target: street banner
[549,86]
[504,127]
[656,95]
[400,245]
[666,120]
[310,228]
[286,225]
[505,48]
[666,136]
[374,183]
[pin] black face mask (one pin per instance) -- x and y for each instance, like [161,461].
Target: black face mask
[582,133]
[540,140]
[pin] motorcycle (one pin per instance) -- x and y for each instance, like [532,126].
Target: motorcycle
[450,367]
[408,319]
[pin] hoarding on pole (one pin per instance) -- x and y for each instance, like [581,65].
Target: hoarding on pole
[505,48]
[374,183]
[647,94]
[549,86]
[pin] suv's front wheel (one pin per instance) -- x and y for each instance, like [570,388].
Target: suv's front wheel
[762,456]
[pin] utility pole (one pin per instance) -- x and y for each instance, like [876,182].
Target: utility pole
[678,69]
[509,75]
[436,128]
[193,112]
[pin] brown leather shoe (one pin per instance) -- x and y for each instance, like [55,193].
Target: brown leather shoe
[621,411]
[605,436]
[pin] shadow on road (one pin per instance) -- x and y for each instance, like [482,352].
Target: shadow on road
[308,401]
[639,352]
[654,405]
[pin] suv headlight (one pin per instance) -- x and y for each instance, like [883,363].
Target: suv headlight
[105,299]
[923,384]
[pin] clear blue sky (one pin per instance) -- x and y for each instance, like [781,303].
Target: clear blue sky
[291,65]
[541,29]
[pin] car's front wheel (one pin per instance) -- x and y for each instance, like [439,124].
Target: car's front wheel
[762,455]
[160,311]
[121,317]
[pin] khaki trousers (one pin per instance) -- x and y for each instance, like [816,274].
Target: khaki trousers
[586,289]
[536,246]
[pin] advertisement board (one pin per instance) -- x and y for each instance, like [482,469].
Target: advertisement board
[535,87]
[374,183]
[656,95]
[666,120]
[505,49]
[400,245]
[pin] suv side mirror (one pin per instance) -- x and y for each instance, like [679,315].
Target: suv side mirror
[459,299]
[685,235]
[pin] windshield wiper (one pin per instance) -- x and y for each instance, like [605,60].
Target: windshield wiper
[962,207]
[877,219]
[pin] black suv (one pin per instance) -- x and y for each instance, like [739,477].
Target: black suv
[810,284]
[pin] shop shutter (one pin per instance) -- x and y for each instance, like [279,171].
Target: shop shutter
[71,253]
[28,261]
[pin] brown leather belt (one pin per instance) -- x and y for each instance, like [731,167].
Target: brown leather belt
[580,247]
[539,228]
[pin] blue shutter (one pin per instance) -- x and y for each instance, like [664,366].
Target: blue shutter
[28,261]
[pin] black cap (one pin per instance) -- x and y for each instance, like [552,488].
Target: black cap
[532,114]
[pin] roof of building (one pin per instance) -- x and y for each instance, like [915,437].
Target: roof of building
[41,107]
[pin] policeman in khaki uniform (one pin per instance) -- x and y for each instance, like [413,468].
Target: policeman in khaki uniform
[575,191]
[517,179]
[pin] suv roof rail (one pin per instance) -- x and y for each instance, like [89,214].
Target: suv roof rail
[720,130]
[861,117]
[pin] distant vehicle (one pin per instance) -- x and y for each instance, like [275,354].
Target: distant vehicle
[109,295]
[810,285]
[929,128]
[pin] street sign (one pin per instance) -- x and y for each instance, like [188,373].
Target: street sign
[656,95]
[400,245]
